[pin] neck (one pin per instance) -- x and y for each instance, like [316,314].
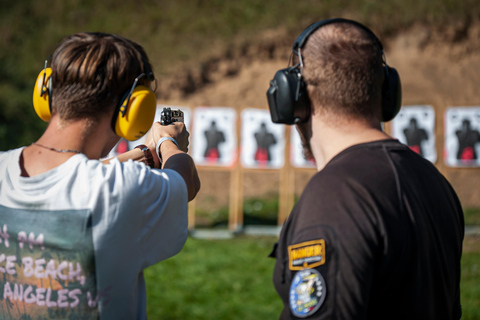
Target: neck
[84,135]
[330,138]
[93,139]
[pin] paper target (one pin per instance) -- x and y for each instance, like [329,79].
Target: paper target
[414,126]
[214,136]
[263,142]
[462,137]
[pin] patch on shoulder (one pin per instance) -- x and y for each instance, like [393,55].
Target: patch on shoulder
[309,254]
[307,293]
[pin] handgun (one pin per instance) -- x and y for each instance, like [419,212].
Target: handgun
[169,116]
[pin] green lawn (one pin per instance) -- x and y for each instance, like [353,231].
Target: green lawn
[215,279]
[472,216]
[470,285]
[232,279]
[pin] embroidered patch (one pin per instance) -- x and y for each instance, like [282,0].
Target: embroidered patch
[307,293]
[305,255]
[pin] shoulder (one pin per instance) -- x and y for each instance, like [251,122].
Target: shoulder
[348,174]
[5,155]
[9,160]
[352,188]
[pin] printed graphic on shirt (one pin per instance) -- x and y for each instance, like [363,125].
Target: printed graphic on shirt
[47,265]
[307,293]
[308,254]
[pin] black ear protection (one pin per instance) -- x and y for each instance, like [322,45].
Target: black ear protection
[287,95]
[133,116]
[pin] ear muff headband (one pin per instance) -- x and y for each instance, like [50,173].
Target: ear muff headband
[287,96]
[42,94]
[302,38]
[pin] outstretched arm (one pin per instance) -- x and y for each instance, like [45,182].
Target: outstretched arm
[172,156]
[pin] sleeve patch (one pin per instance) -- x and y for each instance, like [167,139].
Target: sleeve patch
[305,255]
[307,293]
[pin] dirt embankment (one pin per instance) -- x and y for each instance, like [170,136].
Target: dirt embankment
[437,67]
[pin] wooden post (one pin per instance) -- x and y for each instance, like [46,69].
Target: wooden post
[235,217]
[287,187]
[191,214]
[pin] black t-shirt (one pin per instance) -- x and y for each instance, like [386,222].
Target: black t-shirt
[377,234]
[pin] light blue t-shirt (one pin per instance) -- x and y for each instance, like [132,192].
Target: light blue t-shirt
[76,239]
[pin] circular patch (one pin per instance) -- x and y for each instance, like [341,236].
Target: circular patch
[307,293]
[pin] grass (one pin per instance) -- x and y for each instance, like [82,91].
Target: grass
[472,216]
[215,279]
[470,289]
[255,212]
[260,211]
[232,279]
[215,218]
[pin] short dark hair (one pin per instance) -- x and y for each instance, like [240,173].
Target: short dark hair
[343,69]
[91,72]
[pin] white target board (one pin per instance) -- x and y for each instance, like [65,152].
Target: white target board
[213,138]
[297,157]
[414,126]
[462,137]
[263,142]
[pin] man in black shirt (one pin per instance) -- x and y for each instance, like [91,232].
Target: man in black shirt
[378,231]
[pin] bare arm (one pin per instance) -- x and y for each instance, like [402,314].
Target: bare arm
[175,159]
[134,154]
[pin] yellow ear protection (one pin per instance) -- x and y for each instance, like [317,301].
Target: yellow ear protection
[132,118]
[135,113]
[287,95]
[42,93]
